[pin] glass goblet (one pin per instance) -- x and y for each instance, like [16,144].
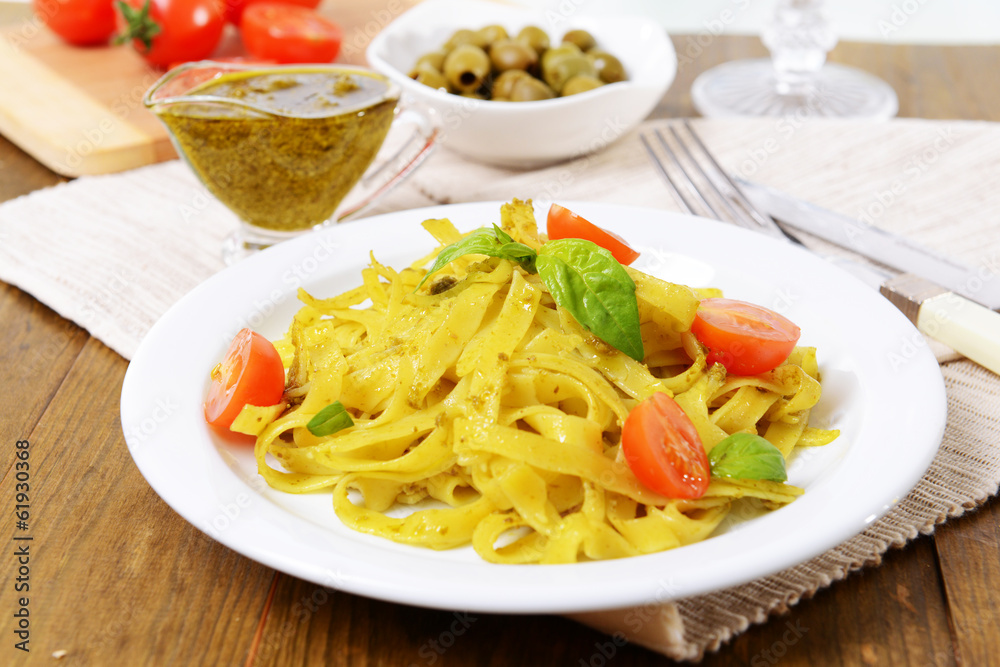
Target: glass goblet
[796,79]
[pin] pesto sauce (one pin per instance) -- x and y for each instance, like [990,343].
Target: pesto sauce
[289,168]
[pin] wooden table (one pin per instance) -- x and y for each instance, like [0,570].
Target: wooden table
[118,578]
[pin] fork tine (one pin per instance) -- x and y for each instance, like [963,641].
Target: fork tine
[678,195]
[762,220]
[716,183]
[688,182]
[734,215]
[695,202]
[689,201]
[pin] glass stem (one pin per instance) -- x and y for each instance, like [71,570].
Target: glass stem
[799,37]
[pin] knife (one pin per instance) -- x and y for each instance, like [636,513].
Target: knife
[981,286]
[946,300]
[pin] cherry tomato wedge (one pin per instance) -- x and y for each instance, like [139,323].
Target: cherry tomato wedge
[745,338]
[234,8]
[250,374]
[563,223]
[664,450]
[289,34]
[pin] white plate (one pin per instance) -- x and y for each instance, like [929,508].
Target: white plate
[883,392]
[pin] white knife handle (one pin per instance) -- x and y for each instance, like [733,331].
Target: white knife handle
[969,328]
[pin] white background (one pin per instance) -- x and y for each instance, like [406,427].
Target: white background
[897,21]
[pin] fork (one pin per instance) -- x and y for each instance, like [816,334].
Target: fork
[720,197]
[718,186]
[970,329]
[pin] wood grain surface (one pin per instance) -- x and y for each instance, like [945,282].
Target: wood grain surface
[108,130]
[117,578]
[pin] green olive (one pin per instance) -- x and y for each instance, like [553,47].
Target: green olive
[488,64]
[492,33]
[466,68]
[423,66]
[508,54]
[609,68]
[580,83]
[431,77]
[415,72]
[434,59]
[534,37]
[581,38]
[561,51]
[504,84]
[530,89]
[556,71]
[464,36]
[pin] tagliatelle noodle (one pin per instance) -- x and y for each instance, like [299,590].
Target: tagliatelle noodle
[499,416]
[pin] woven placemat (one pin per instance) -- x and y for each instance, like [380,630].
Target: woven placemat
[113,253]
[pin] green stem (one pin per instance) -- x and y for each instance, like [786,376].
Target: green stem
[139,25]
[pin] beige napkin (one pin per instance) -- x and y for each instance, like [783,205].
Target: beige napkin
[112,253]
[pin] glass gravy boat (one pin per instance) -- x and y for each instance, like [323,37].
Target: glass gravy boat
[283,146]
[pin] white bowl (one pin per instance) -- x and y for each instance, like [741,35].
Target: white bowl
[529,134]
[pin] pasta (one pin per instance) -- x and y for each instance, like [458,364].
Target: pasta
[494,416]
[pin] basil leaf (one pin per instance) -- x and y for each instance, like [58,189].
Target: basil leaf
[503,236]
[747,456]
[330,419]
[519,254]
[588,281]
[491,242]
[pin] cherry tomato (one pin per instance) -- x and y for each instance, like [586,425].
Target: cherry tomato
[235,8]
[250,374]
[78,22]
[563,223]
[290,34]
[745,338]
[664,450]
[165,32]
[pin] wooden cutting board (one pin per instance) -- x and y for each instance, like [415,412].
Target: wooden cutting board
[79,111]
[76,110]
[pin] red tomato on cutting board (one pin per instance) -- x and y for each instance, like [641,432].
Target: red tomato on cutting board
[289,34]
[165,32]
[78,22]
[235,8]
